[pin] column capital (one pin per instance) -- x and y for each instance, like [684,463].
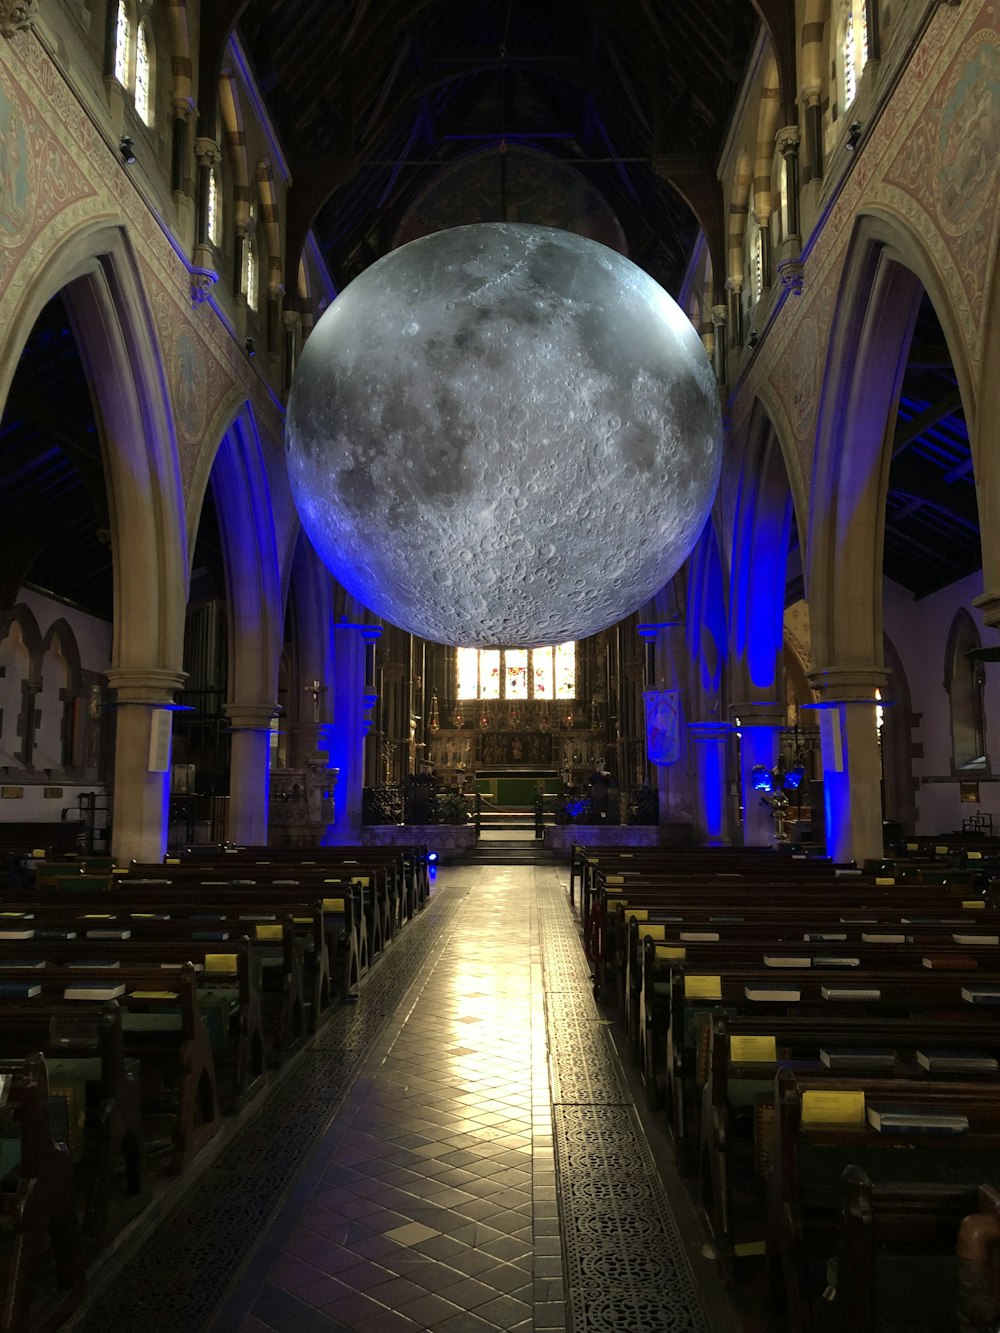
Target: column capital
[17,16]
[788,139]
[369,633]
[762,713]
[207,152]
[153,686]
[848,684]
[719,314]
[250,716]
[989,605]
[792,275]
[650,631]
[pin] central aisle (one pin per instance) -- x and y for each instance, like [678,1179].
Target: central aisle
[433,1199]
[458,1152]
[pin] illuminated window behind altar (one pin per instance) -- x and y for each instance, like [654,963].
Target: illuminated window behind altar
[516,673]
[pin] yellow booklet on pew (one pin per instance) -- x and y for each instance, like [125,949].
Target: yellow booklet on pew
[269,933]
[752,1050]
[702,988]
[221,963]
[833,1108]
[153,995]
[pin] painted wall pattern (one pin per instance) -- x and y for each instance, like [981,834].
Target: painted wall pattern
[58,175]
[922,134]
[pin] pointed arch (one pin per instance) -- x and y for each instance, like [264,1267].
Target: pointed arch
[95,271]
[887,270]
[764,515]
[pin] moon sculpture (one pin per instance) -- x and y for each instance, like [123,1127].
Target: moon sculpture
[503,435]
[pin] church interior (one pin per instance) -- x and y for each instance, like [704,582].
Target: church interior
[499,1045]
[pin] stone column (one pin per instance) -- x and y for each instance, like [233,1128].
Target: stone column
[353,700]
[734,288]
[759,726]
[814,136]
[142,776]
[852,763]
[204,274]
[719,325]
[292,322]
[249,771]
[788,141]
[709,742]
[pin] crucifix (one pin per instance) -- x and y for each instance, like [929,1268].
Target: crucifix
[315,689]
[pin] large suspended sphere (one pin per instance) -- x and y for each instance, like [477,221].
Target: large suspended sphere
[503,435]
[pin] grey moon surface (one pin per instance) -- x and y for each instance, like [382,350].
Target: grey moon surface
[503,434]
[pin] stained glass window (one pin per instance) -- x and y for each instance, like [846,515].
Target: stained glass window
[467,667]
[214,229]
[516,673]
[143,78]
[541,662]
[121,44]
[250,273]
[566,671]
[850,64]
[489,673]
[516,682]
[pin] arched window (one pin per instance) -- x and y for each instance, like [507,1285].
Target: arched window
[123,35]
[143,76]
[964,682]
[850,64]
[214,208]
[251,271]
[516,673]
[853,48]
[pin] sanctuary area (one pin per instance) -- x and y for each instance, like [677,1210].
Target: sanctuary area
[498,599]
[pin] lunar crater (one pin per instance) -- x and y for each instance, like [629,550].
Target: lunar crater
[503,434]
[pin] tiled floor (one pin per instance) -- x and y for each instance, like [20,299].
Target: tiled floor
[435,1207]
[459,1151]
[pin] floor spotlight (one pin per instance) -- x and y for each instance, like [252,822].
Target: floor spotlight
[250,347]
[126,148]
[853,135]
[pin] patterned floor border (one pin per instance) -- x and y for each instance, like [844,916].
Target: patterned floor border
[625,1263]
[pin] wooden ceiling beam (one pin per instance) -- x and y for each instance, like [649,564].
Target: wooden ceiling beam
[907,432]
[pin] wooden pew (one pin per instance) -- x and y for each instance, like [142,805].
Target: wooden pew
[85,1063]
[162,1028]
[897,1256]
[695,994]
[809,1159]
[37,1205]
[228,993]
[743,1058]
[306,936]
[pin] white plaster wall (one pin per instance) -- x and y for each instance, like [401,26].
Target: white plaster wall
[919,632]
[93,636]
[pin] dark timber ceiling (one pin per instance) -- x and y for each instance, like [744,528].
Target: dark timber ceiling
[931,516]
[391,91]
